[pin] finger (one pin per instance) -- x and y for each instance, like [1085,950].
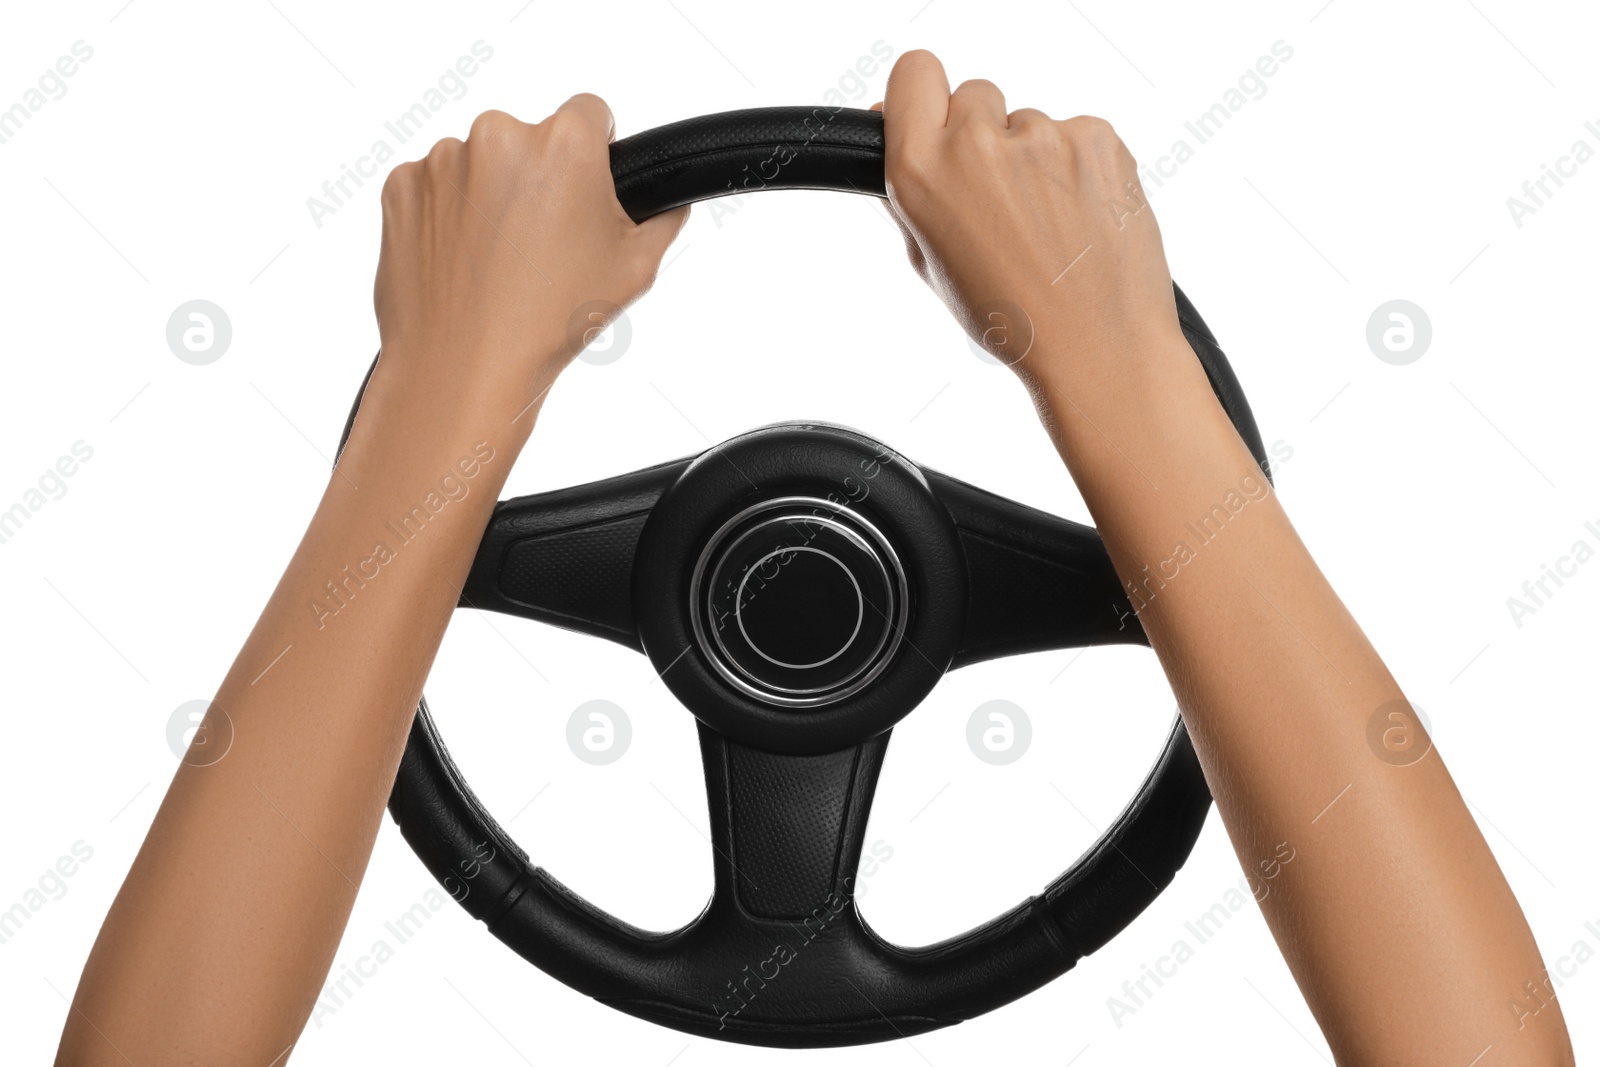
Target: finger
[913,246]
[977,100]
[446,154]
[915,256]
[447,159]
[917,100]
[914,253]
[593,111]
[876,107]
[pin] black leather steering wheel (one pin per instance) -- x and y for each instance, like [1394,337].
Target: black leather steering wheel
[800,588]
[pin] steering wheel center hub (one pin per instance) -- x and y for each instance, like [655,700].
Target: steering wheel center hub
[798,601]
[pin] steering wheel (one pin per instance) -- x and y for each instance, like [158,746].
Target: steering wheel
[800,588]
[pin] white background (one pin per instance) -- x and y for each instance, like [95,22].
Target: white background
[1377,165]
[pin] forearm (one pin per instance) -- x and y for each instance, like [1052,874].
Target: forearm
[229,919]
[1277,684]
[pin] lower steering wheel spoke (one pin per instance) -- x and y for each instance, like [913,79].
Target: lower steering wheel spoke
[787,829]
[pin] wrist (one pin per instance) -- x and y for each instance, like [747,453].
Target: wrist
[408,440]
[1116,375]
[1137,408]
[477,391]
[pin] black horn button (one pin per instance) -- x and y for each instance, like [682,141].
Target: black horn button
[798,601]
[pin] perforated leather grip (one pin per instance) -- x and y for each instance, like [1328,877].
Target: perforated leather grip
[839,149]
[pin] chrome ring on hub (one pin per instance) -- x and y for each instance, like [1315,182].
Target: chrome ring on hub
[854,529]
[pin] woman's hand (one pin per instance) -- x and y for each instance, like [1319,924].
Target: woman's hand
[492,245]
[1035,232]
[489,247]
[1395,918]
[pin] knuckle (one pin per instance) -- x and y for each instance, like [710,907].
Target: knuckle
[589,100]
[1092,130]
[977,138]
[566,128]
[977,85]
[1044,138]
[491,126]
[445,150]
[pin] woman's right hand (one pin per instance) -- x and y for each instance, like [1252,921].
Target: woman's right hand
[1035,232]
[1396,920]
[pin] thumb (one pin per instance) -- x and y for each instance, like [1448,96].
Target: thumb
[659,231]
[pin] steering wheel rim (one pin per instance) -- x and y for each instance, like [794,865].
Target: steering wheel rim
[602,559]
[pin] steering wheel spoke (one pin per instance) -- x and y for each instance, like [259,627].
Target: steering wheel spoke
[787,829]
[566,557]
[1036,581]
